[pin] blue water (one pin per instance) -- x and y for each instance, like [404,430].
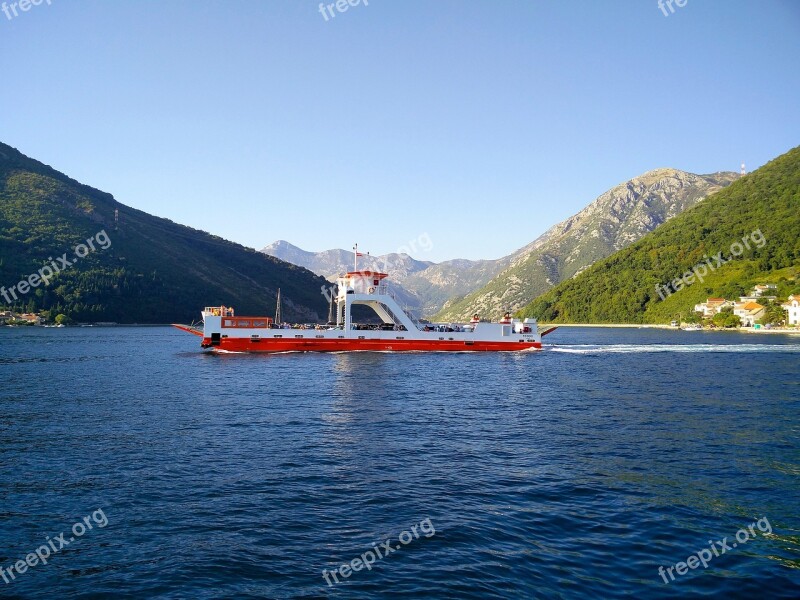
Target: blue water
[573,472]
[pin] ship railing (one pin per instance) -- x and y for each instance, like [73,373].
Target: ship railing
[385,290]
[219,311]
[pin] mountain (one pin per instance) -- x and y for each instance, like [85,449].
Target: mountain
[331,263]
[440,282]
[151,271]
[422,286]
[613,221]
[746,234]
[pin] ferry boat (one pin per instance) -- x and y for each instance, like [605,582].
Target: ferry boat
[224,331]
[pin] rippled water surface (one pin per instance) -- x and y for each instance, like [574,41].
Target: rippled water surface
[576,471]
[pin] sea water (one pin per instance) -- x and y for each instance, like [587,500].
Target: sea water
[588,469]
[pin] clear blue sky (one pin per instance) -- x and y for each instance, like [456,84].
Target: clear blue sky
[479,123]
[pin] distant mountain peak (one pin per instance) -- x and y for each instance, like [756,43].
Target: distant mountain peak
[422,286]
[613,220]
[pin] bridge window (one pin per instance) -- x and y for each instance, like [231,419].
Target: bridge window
[263,323]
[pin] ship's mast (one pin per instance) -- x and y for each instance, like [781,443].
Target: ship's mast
[278,319]
[330,312]
[356,254]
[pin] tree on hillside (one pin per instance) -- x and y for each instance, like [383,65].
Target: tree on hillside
[733,321]
[732,290]
[693,317]
[726,318]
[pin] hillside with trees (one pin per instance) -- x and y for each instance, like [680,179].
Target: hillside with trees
[153,271]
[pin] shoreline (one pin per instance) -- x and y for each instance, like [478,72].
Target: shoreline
[615,325]
[670,327]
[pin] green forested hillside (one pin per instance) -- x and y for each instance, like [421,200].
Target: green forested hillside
[155,271]
[622,287]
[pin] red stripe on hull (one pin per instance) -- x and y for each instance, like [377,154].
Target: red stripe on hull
[280,345]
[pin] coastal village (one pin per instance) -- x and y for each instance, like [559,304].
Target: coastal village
[752,310]
[12,318]
[8,317]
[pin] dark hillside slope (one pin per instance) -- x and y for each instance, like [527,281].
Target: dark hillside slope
[155,271]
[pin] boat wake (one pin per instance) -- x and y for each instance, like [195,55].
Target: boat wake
[676,348]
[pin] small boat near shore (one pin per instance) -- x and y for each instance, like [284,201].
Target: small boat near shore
[224,331]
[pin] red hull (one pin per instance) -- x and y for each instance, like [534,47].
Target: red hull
[342,345]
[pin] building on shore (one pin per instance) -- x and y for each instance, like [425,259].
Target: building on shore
[7,315]
[748,312]
[712,306]
[31,318]
[792,306]
[763,291]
